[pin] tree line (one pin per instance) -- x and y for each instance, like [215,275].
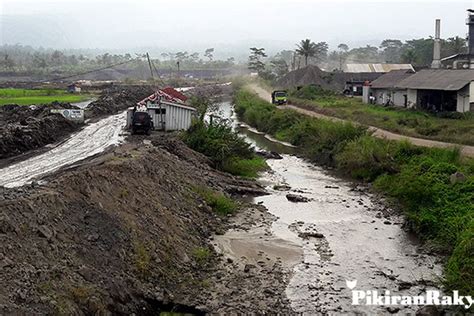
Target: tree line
[418,52]
[25,59]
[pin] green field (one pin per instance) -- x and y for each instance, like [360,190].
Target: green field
[448,127]
[38,96]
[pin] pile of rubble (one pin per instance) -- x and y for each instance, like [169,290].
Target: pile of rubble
[24,128]
[117,98]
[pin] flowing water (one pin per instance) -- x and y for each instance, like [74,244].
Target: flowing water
[342,234]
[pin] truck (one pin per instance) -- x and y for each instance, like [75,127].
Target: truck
[279,97]
[141,122]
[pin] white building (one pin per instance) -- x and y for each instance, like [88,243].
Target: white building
[169,116]
[439,90]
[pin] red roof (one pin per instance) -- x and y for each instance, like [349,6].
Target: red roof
[175,93]
[168,94]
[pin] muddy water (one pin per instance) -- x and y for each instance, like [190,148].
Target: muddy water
[340,234]
[91,140]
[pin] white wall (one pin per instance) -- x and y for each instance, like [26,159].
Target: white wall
[178,118]
[412,98]
[463,99]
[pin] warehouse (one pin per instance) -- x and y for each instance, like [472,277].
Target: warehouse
[440,90]
[383,90]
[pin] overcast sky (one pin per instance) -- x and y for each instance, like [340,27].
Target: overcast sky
[196,24]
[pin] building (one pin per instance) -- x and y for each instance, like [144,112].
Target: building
[376,68]
[74,88]
[440,90]
[384,90]
[168,110]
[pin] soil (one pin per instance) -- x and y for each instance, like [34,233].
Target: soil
[25,128]
[126,233]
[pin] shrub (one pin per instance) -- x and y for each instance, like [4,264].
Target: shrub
[247,168]
[219,203]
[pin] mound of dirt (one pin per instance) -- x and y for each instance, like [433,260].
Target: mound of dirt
[127,234]
[24,128]
[313,75]
[310,75]
[117,98]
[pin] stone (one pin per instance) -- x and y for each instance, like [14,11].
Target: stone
[457,177]
[45,232]
[296,198]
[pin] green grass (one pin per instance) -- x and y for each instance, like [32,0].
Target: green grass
[228,151]
[454,127]
[38,96]
[247,168]
[219,203]
[440,211]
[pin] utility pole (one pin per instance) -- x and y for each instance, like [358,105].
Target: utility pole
[151,69]
[177,63]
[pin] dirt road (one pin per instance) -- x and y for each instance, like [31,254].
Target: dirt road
[91,140]
[467,151]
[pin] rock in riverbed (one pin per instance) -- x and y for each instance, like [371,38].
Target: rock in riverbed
[297,198]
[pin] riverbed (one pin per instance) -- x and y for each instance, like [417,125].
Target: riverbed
[343,233]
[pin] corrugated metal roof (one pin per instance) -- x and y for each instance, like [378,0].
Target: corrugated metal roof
[377,67]
[391,79]
[438,79]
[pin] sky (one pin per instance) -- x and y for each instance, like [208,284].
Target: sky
[227,25]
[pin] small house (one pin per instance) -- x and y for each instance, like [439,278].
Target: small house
[74,88]
[168,110]
[384,90]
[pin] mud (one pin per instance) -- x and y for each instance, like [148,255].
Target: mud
[342,232]
[121,235]
[24,128]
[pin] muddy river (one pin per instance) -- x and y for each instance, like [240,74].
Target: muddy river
[340,235]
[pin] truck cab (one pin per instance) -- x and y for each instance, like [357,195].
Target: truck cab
[279,97]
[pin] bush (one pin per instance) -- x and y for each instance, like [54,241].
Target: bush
[218,142]
[247,168]
[219,203]
[311,92]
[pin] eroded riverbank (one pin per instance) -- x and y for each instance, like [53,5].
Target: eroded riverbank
[343,233]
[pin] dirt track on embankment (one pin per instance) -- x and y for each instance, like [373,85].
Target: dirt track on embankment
[467,151]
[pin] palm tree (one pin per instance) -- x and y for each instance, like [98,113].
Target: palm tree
[307,49]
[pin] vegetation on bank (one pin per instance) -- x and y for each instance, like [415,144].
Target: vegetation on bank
[38,96]
[228,151]
[434,186]
[449,127]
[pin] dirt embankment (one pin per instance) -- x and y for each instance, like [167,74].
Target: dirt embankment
[127,233]
[117,98]
[24,128]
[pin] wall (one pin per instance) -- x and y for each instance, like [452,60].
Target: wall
[396,96]
[178,118]
[412,96]
[463,99]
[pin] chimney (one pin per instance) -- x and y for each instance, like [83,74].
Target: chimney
[470,49]
[436,64]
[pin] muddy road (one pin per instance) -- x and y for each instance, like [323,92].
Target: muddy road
[342,233]
[91,140]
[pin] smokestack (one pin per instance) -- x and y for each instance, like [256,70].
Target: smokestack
[436,64]
[470,23]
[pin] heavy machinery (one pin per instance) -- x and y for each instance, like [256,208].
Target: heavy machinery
[279,97]
[141,122]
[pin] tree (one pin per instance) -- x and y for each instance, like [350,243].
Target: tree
[307,49]
[409,56]
[392,50]
[343,47]
[321,51]
[255,59]
[423,50]
[209,53]
[279,67]
[452,46]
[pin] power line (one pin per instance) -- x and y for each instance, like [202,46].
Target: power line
[89,71]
